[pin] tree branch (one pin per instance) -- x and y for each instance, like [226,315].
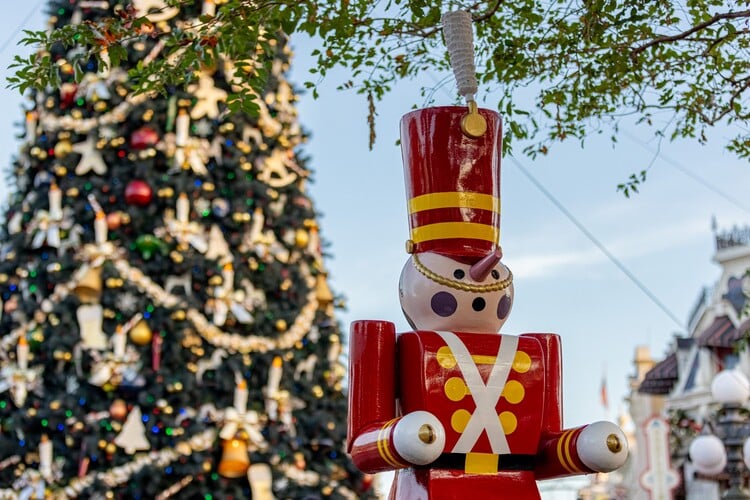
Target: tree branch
[680,36]
[488,14]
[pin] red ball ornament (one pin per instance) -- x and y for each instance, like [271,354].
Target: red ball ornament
[138,193]
[143,138]
[68,93]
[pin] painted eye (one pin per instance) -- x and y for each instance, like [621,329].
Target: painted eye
[443,304]
[478,304]
[459,274]
[503,307]
[495,274]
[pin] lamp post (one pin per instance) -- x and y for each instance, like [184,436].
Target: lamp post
[728,449]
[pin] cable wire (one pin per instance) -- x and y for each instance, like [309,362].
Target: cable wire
[596,242]
[700,180]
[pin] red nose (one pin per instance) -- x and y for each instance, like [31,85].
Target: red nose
[481,269]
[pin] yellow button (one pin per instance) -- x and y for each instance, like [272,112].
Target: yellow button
[445,357]
[522,362]
[455,389]
[460,419]
[513,392]
[508,421]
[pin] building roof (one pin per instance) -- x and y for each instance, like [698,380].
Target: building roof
[661,378]
[721,333]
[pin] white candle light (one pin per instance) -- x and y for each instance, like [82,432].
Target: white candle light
[54,198]
[209,8]
[105,63]
[182,126]
[31,122]
[45,456]
[274,377]
[240,396]
[183,208]
[22,353]
[119,343]
[227,274]
[100,228]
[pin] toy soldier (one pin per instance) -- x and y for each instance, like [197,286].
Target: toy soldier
[456,408]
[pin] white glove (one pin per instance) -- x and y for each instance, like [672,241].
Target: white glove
[602,446]
[419,437]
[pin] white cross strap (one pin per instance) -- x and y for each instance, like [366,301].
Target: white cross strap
[485,397]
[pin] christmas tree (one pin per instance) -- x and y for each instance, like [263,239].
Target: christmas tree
[167,328]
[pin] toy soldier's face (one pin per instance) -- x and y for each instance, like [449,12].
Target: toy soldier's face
[438,293]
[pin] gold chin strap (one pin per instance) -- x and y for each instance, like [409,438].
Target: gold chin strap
[460,285]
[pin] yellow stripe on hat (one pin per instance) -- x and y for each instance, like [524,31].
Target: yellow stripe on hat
[454,199]
[446,230]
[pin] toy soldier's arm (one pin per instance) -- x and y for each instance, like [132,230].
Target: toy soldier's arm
[598,447]
[378,439]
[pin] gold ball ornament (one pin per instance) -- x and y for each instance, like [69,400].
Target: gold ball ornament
[281,325]
[141,333]
[301,238]
[63,148]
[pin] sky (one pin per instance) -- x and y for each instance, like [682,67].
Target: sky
[563,282]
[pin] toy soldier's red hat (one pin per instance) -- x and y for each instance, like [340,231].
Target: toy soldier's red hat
[452,178]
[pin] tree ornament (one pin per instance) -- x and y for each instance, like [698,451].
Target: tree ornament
[114,220]
[301,238]
[156,342]
[220,207]
[118,410]
[138,193]
[62,149]
[143,138]
[218,248]
[193,155]
[209,96]
[46,230]
[235,459]
[90,319]
[240,433]
[91,157]
[140,334]
[89,287]
[276,170]
[182,229]
[32,120]
[149,244]
[132,437]
[68,93]
[45,457]
[261,480]
[54,197]
[323,291]
[155,10]
[274,377]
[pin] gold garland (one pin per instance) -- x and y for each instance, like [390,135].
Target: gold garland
[459,285]
[214,335]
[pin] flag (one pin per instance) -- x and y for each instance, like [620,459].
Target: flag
[603,393]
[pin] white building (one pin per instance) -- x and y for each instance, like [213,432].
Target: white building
[673,397]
